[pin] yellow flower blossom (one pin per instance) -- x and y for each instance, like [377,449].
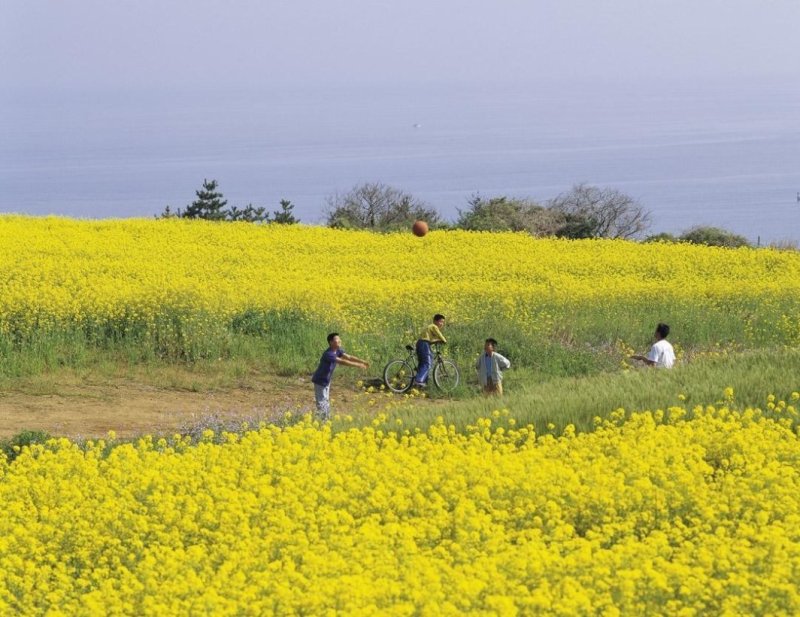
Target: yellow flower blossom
[692,513]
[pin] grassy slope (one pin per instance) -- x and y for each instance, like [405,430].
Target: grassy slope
[577,400]
[568,375]
[533,396]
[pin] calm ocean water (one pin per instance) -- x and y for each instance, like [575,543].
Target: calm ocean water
[724,156]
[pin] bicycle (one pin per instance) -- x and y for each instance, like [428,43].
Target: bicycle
[399,374]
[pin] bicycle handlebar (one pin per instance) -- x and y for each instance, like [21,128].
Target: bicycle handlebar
[411,347]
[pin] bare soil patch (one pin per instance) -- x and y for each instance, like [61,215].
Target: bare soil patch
[75,407]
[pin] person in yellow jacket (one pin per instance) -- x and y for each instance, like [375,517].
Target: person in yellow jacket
[431,334]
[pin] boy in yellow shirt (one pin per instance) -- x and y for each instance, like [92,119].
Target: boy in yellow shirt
[431,334]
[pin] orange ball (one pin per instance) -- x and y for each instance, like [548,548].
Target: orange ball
[420,228]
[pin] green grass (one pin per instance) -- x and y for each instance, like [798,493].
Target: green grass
[532,398]
[566,372]
[580,341]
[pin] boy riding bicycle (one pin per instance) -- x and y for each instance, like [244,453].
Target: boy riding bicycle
[431,334]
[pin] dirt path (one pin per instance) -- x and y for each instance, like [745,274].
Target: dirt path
[132,407]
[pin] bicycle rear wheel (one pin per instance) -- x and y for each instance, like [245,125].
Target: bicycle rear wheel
[446,375]
[398,376]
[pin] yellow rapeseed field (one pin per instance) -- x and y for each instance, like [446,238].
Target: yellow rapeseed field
[675,512]
[57,272]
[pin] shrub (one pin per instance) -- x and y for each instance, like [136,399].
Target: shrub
[714,236]
[379,208]
[13,446]
[509,214]
[662,237]
[594,212]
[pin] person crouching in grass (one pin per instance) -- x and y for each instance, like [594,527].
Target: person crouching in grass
[490,368]
[322,376]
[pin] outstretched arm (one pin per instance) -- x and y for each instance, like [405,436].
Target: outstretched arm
[644,359]
[349,360]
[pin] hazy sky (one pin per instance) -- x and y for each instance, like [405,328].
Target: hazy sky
[119,107]
[179,44]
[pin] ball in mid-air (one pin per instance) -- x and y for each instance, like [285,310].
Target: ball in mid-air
[419,228]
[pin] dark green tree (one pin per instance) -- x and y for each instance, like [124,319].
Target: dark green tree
[714,236]
[509,214]
[577,227]
[169,213]
[285,216]
[248,214]
[209,204]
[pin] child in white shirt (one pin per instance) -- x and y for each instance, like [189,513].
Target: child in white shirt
[661,354]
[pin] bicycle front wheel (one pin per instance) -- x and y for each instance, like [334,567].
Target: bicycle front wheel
[398,376]
[446,375]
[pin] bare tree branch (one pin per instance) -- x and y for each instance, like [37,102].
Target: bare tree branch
[608,213]
[379,207]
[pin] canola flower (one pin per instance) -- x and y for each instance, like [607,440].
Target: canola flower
[161,276]
[670,512]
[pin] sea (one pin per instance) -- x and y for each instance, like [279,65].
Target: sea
[726,155]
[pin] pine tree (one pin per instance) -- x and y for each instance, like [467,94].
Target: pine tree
[248,214]
[208,205]
[285,216]
[168,213]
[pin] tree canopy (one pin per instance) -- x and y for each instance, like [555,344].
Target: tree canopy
[595,212]
[210,205]
[378,207]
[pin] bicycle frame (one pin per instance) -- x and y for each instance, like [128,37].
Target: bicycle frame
[436,352]
[441,369]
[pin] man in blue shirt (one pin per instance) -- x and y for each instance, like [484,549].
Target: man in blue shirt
[322,376]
